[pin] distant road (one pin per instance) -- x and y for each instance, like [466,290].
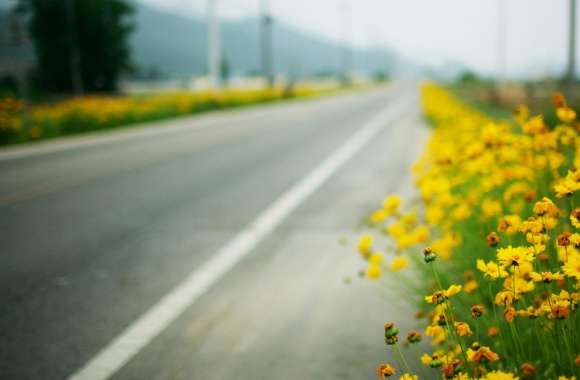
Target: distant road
[97,230]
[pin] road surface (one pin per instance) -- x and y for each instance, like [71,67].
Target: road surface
[96,230]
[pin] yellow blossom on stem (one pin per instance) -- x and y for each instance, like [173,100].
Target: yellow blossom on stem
[566,114]
[463,329]
[398,263]
[385,370]
[378,216]
[373,271]
[546,277]
[491,269]
[482,354]
[440,296]
[490,208]
[499,375]
[365,244]
[391,204]
[376,258]
[575,217]
[546,207]
[572,267]
[515,256]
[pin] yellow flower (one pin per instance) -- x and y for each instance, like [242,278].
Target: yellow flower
[521,285]
[461,212]
[396,230]
[534,126]
[511,256]
[546,277]
[510,224]
[437,333]
[572,267]
[385,370]
[376,258]
[426,359]
[521,114]
[530,312]
[365,244]
[378,216]
[470,286]
[408,376]
[373,271]
[481,354]
[568,185]
[453,290]
[463,329]
[504,297]
[499,375]
[409,218]
[533,225]
[566,114]
[490,208]
[575,217]
[491,269]
[546,207]
[391,204]
[398,263]
[441,296]
[421,234]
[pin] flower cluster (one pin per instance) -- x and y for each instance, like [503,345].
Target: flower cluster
[500,219]
[88,113]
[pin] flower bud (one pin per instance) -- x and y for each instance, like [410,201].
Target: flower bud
[477,311]
[493,239]
[429,255]
[413,337]
[528,370]
[390,329]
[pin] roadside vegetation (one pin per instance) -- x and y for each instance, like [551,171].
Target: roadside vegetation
[490,249]
[96,113]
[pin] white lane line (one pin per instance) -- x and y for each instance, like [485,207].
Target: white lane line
[139,334]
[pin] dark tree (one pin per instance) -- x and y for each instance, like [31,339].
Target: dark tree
[81,45]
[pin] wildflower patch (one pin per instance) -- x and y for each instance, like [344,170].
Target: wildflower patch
[495,236]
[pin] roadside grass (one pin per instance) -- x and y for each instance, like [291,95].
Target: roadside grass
[99,113]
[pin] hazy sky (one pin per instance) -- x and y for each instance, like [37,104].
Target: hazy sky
[433,32]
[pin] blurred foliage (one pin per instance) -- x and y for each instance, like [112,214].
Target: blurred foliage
[498,100]
[84,36]
[96,113]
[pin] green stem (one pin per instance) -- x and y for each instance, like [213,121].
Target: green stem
[421,365]
[403,358]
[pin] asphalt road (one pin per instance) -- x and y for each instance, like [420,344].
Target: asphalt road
[96,229]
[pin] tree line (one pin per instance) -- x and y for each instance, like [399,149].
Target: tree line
[80,45]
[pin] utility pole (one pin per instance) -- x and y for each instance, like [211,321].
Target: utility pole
[213,44]
[266,48]
[345,53]
[75,56]
[571,71]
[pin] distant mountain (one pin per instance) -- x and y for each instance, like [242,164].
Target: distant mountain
[172,45]
[175,45]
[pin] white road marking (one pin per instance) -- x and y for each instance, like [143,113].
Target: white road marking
[141,332]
